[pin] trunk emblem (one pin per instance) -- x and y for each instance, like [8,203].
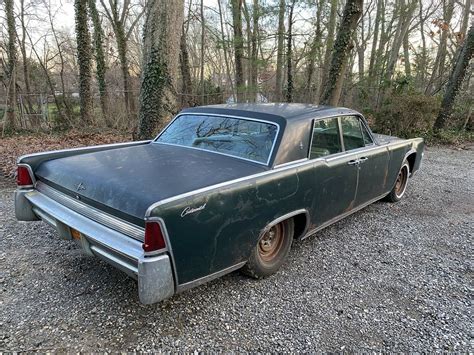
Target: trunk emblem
[189,210]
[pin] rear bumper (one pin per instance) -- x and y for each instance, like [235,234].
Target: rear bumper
[154,274]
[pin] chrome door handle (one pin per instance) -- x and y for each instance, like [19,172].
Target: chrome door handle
[353,162]
[362,159]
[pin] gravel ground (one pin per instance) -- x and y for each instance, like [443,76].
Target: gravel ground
[393,277]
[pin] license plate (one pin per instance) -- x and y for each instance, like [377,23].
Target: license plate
[75,234]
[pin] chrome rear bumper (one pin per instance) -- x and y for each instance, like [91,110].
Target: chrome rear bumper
[154,274]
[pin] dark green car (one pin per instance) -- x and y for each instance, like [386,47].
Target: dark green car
[221,188]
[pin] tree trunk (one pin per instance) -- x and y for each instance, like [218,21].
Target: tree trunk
[238,47]
[281,41]
[455,80]
[342,48]
[10,119]
[289,56]
[405,16]
[225,49]
[100,61]
[437,74]
[163,26]
[254,53]
[203,38]
[329,43]
[373,51]
[188,98]
[26,74]
[406,55]
[84,59]
[314,51]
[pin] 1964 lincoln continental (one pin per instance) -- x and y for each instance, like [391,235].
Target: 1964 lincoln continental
[221,188]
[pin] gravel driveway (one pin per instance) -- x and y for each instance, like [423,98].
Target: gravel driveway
[393,277]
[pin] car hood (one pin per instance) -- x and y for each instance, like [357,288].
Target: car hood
[126,181]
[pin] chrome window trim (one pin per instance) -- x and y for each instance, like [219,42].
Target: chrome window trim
[270,155]
[311,138]
[92,213]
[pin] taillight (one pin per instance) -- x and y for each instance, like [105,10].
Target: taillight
[154,239]
[23,177]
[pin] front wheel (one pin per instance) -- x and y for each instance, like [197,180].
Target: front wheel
[271,250]
[400,185]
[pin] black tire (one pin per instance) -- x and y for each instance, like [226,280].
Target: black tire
[401,183]
[271,250]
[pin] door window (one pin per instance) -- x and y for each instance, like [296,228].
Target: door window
[326,139]
[352,133]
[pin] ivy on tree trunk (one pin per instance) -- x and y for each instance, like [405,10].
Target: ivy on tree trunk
[100,60]
[10,121]
[84,59]
[455,80]
[162,31]
[342,48]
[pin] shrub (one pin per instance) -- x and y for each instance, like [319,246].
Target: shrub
[407,114]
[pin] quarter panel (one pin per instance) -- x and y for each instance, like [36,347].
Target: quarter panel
[223,233]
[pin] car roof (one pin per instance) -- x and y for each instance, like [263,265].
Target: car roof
[273,111]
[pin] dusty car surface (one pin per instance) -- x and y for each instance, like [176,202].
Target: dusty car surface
[221,188]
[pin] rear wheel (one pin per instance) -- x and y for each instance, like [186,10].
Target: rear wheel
[271,250]
[400,185]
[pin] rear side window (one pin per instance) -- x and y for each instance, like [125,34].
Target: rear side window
[326,139]
[352,133]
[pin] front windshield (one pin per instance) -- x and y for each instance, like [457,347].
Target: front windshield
[247,139]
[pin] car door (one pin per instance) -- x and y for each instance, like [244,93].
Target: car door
[372,159]
[335,172]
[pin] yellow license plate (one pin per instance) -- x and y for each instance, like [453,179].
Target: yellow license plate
[75,234]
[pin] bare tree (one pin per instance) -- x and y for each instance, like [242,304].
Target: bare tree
[280,54]
[342,47]
[163,26]
[118,16]
[10,119]
[289,55]
[455,80]
[238,47]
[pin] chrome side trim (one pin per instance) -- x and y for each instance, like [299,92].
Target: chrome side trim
[290,163]
[342,216]
[207,278]
[285,217]
[80,149]
[222,184]
[229,116]
[96,215]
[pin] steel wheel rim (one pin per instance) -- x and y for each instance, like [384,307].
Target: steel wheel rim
[271,243]
[401,182]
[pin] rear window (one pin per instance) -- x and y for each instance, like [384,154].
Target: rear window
[242,138]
